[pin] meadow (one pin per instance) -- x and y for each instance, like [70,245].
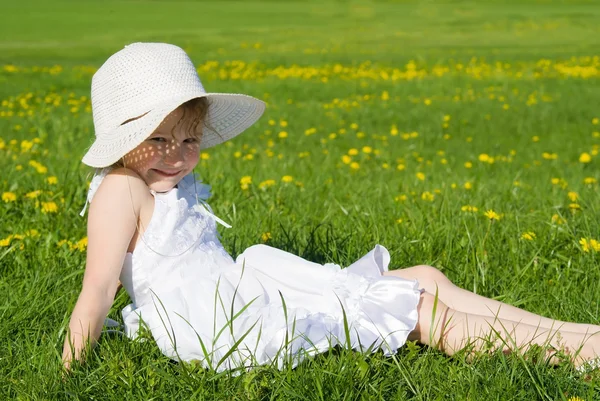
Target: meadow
[460,135]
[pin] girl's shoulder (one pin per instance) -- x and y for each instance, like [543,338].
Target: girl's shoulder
[120,187]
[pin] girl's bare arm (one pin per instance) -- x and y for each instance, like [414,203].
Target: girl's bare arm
[112,221]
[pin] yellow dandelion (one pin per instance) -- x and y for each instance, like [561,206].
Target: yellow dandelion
[557,219]
[469,208]
[529,236]
[573,196]
[287,178]
[33,194]
[484,157]
[468,185]
[9,197]
[265,237]
[282,134]
[346,159]
[80,245]
[245,182]
[367,149]
[399,221]
[595,121]
[49,207]
[589,244]
[204,156]
[468,164]
[585,158]
[490,214]
[353,152]
[32,233]
[266,184]
[52,180]
[420,176]
[427,196]
[400,198]
[354,166]
[574,206]
[589,180]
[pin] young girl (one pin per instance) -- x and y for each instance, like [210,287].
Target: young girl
[150,227]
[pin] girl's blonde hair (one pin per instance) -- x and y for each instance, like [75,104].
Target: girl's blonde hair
[194,114]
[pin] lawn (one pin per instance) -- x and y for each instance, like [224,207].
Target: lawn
[394,123]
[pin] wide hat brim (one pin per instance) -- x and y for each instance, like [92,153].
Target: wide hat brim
[229,114]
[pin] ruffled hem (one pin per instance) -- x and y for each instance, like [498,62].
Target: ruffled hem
[377,311]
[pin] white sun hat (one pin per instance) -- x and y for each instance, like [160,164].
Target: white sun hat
[137,87]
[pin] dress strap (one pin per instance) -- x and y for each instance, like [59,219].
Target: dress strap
[201,193]
[94,185]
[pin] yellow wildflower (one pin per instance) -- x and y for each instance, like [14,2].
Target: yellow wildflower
[589,180]
[367,149]
[556,219]
[595,120]
[33,194]
[427,196]
[400,198]
[589,244]
[80,245]
[49,207]
[287,178]
[469,208]
[585,158]
[468,164]
[354,166]
[468,185]
[283,134]
[245,182]
[266,184]
[484,157]
[490,214]
[529,236]
[9,197]
[346,159]
[52,180]
[265,237]
[420,176]
[574,206]
[353,152]
[573,196]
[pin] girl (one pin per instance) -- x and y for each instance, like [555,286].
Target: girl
[150,227]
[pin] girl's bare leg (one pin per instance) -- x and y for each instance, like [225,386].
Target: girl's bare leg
[450,331]
[432,280]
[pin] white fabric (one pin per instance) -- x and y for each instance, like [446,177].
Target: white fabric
[137,87]
[185,288]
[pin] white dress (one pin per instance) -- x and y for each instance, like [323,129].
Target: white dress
[266,306]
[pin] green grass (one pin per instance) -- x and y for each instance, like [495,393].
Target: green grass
[330,212]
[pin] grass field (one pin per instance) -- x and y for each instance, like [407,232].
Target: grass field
[398,123]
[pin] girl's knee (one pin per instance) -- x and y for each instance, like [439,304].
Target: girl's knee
[425,273]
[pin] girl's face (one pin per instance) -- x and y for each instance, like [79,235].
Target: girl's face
[167,155]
